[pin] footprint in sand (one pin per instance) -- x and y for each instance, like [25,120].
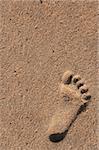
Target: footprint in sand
[75,93]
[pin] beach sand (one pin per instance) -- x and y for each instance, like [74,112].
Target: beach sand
[40,40]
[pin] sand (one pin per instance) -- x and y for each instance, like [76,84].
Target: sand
[40,40]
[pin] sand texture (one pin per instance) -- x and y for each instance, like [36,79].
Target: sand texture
[40,40]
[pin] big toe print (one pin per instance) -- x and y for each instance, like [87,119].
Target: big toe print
[74,92]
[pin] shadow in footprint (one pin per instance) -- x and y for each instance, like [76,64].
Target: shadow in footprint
[60,136]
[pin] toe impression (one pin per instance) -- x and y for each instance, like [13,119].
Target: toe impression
[67,77]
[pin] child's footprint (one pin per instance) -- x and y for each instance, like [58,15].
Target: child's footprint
[75,93]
